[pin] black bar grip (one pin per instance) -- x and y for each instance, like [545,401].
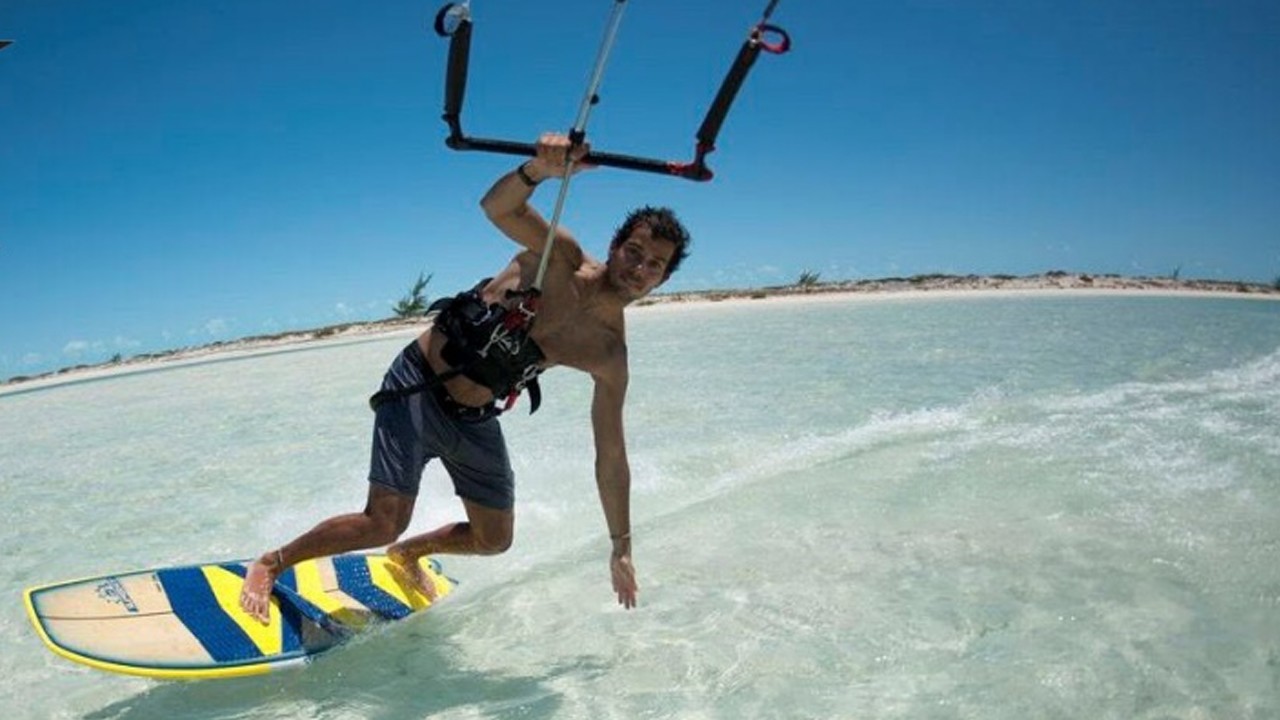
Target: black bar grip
[728,91]
[459,56]
[603,159]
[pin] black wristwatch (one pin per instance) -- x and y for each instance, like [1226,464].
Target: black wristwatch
[524,176]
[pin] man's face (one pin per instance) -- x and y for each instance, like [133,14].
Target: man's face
[638,264]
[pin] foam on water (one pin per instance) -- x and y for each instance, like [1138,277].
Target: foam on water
[997,509]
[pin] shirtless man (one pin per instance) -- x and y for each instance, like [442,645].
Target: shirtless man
[438,397]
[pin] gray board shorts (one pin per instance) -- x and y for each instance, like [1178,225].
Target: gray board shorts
[412,429]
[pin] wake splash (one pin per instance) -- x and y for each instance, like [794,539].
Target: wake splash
[1138,442]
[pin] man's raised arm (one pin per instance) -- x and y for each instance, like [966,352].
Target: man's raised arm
[507,202]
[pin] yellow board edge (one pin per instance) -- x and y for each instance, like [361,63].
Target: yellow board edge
[154,673]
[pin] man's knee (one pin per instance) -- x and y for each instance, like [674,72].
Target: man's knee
[382,529]
[492,541]
[491,529]
[389,515]
[388,530]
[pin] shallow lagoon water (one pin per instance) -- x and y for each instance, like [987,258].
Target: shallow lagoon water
[975,507]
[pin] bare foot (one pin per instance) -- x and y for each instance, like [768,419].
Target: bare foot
[413,571]
[255,594]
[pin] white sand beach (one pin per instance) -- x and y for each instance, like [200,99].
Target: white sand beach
[245,347]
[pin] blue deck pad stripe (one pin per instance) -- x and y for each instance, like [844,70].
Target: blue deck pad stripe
[354,580]
[194,604]
[290,614]
[300,608]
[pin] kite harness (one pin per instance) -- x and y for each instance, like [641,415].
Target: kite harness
[489,344]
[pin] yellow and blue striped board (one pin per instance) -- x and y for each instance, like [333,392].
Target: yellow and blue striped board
[185,623]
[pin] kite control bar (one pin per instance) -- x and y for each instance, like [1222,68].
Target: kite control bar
[454,22]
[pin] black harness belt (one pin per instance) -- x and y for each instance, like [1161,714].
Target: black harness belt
[434,384]
[488,344]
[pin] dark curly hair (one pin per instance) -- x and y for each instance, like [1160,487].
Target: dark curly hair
[664,225]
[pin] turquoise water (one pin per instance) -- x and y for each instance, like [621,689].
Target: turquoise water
[1013,507]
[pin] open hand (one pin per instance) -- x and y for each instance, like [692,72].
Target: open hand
[624,580]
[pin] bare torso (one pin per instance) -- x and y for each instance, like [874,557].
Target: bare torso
[579,323]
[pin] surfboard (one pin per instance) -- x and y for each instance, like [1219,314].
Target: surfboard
[185,623]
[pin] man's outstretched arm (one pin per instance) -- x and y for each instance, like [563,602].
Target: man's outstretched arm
[613,478]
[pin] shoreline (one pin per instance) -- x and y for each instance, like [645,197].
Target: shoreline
[1055,283]
[219,351]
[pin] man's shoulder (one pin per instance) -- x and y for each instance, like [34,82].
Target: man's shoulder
[613,353]
[567,249]
[599,351]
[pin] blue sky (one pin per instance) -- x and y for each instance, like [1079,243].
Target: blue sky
[174,173]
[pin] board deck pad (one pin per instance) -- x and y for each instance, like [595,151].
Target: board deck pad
[186,622]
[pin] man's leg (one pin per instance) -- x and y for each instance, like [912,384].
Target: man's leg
[488,531]
[386,515]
